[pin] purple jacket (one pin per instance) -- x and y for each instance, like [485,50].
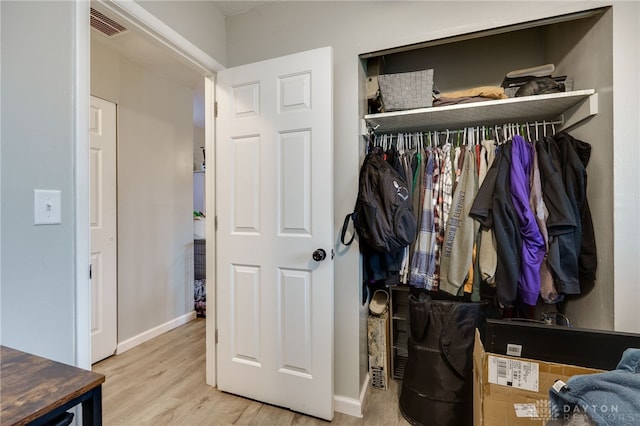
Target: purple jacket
[533,247]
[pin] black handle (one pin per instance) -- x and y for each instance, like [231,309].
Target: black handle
[319,255]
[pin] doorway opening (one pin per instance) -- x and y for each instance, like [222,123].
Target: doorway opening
[157,94]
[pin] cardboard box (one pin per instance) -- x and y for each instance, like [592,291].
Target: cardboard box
[513,391]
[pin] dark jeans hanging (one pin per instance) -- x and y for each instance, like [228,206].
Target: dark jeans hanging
[437,389]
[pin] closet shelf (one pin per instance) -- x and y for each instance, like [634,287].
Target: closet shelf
[570,107]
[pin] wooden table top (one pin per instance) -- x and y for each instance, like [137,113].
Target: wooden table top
[31,386]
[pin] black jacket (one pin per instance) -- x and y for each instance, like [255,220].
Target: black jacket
[493,208]
[562,223]
[572,248]
[575,156]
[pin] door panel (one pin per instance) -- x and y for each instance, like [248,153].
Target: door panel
[102,131]
[294,176]
[245,189]
[294,308]
[245,325]
[275,207]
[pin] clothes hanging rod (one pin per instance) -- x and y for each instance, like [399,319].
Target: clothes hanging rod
[463,129]
[472,135]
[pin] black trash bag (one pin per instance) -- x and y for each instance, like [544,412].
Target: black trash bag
[437,389]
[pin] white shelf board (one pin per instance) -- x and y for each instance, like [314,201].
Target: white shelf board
[488,113]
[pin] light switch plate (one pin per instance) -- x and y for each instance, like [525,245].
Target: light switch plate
[46,207]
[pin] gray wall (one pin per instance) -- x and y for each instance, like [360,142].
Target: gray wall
[476,62]
[626,157]
[358,27]
[38,262]
[576,48]
[155,195]
[39,276]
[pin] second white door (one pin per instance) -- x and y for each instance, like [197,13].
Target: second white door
[274,194]
[102,128]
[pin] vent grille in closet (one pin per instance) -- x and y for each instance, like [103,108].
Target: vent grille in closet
[105,25]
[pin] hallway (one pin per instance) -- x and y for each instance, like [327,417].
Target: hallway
[162,382]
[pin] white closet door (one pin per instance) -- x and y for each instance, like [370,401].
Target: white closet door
[275,209]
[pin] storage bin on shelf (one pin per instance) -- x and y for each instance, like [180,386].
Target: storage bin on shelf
[407,90]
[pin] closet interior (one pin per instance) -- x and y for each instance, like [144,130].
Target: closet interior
[579,45]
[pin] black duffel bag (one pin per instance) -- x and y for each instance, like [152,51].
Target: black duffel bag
[437,388]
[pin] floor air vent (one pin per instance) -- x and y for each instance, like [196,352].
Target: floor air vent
[105,25]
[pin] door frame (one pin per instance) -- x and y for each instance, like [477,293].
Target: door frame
[138,19]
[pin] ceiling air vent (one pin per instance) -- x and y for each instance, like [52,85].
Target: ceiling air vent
[105,25]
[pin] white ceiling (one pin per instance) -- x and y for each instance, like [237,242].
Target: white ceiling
[230,8]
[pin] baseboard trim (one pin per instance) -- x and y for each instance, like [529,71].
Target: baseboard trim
[350,406]
[154,332]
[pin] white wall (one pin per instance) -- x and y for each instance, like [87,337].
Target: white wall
[197,21]
[38,282]
[155,196]
[353,28]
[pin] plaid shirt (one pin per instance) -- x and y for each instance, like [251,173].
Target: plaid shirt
[434,268]
[424,255]
[445,196]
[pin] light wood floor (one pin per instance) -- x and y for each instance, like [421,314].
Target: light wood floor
[162,382]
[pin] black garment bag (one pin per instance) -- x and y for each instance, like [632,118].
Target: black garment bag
[437,388]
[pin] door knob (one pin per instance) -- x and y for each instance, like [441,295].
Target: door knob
[319,255]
